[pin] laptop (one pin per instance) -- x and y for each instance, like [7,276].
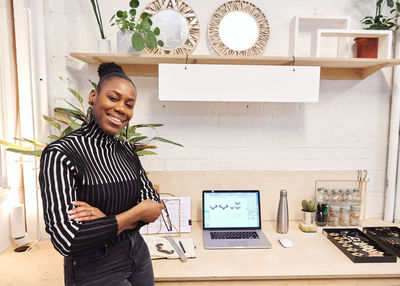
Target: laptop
[232,219]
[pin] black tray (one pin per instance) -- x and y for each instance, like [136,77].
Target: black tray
[360,237]
[383,235]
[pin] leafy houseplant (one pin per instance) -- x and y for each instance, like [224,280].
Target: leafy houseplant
[140,32]
[309,208]
[103,45]
[368,47]
[73,117]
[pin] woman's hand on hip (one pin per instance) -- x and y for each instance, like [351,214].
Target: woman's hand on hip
[84,212]
[150,210]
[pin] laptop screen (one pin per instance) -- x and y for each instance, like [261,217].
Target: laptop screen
[231,209]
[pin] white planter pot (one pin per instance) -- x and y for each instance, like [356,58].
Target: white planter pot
[124,43]
[103,46]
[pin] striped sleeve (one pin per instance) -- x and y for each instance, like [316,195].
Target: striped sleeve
[147,191]
[58,189]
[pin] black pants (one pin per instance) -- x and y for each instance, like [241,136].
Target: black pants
[124,263]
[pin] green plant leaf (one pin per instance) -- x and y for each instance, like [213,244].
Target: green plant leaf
[53,137]
[132,12]
[160,43]
[93,84]
[70,113]
[66,131]
[12,145]
[52,122]
[33,142]
[166,141]
[156,31]
[390,3]
[137,41]
[134,3]
[120,14]
[150,40]
[76,94]
[125,15]
[70,122]
[112,18]
[145,152]
[146,26]
[36,153]
[398,6]
[144,15]
[137,139]
[75,108]
[151,125]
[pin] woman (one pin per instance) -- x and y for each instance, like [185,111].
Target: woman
[96,194]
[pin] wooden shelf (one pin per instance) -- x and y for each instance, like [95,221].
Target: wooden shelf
[331,68]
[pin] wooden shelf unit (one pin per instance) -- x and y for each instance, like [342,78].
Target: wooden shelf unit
[331,68]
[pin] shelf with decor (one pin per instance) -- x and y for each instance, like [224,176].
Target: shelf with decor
[331,68]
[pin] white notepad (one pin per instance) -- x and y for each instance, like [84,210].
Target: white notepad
[152,242]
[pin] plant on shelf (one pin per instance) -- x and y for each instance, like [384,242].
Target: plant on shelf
[103,45]
[368,47]
[140,32]
[309,208]
[381,22]
[72,119]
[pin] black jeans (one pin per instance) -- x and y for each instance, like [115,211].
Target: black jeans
[124,263]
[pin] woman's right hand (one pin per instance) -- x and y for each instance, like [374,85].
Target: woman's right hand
[150,210]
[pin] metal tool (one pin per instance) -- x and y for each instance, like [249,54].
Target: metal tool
[178,250]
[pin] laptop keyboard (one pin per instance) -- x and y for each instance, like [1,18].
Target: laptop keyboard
[234,235]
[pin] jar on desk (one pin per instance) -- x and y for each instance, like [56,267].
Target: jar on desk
[320,195]
[334,197]
[354,215]
[334,215]
[356,196]
[344,215]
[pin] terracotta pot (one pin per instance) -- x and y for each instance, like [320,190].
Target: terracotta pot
[367,47]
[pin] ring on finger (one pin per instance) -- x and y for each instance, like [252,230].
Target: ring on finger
[91,213]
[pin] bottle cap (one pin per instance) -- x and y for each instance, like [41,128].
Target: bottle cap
[283,192]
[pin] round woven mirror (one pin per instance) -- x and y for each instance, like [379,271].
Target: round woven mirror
[238,28]
[179,26]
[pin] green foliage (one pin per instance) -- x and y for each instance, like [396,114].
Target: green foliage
[309,206]
[143,35]
[72,119]
[96,10]
[380,22]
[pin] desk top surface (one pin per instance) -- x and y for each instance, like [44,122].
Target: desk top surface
[313,256]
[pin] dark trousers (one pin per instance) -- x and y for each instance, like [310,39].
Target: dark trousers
[125,263]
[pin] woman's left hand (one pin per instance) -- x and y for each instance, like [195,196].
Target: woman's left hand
[84,212]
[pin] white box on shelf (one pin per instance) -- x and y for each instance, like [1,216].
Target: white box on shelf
[315,23]
[384,44]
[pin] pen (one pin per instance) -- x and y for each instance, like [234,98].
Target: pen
[180,243]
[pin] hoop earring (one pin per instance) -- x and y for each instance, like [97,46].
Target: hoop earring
[127,131]
[89,115]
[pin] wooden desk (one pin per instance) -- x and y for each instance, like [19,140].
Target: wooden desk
[313,260]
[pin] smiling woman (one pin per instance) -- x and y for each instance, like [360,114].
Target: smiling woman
[96,194]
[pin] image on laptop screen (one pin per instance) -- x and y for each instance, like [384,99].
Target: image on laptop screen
[231,209]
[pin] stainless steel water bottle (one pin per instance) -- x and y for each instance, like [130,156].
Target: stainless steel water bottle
[282,223]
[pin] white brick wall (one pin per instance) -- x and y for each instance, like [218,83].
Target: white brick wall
[346,130]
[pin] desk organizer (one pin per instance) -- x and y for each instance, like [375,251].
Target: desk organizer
[388,237]
[357,246]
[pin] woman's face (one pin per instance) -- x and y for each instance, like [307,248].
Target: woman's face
[113,106]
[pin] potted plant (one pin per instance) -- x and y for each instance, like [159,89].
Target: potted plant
[309,208]
[134,35]
[103,44]
[72,118]
[368,47]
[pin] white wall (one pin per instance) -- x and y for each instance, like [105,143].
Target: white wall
[346,130]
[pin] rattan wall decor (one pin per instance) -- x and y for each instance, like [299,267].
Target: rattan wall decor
[214,36]
[188,20]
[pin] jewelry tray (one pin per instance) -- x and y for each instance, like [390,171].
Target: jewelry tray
[388,237]
[355,236]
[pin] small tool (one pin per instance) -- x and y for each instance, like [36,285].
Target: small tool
[180,243]
[182,256]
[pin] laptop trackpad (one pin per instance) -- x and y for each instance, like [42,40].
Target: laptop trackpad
[237,243]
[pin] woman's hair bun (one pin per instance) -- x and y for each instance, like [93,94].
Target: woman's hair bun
[106,68]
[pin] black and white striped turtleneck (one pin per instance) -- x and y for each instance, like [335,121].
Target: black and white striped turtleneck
[92,166]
